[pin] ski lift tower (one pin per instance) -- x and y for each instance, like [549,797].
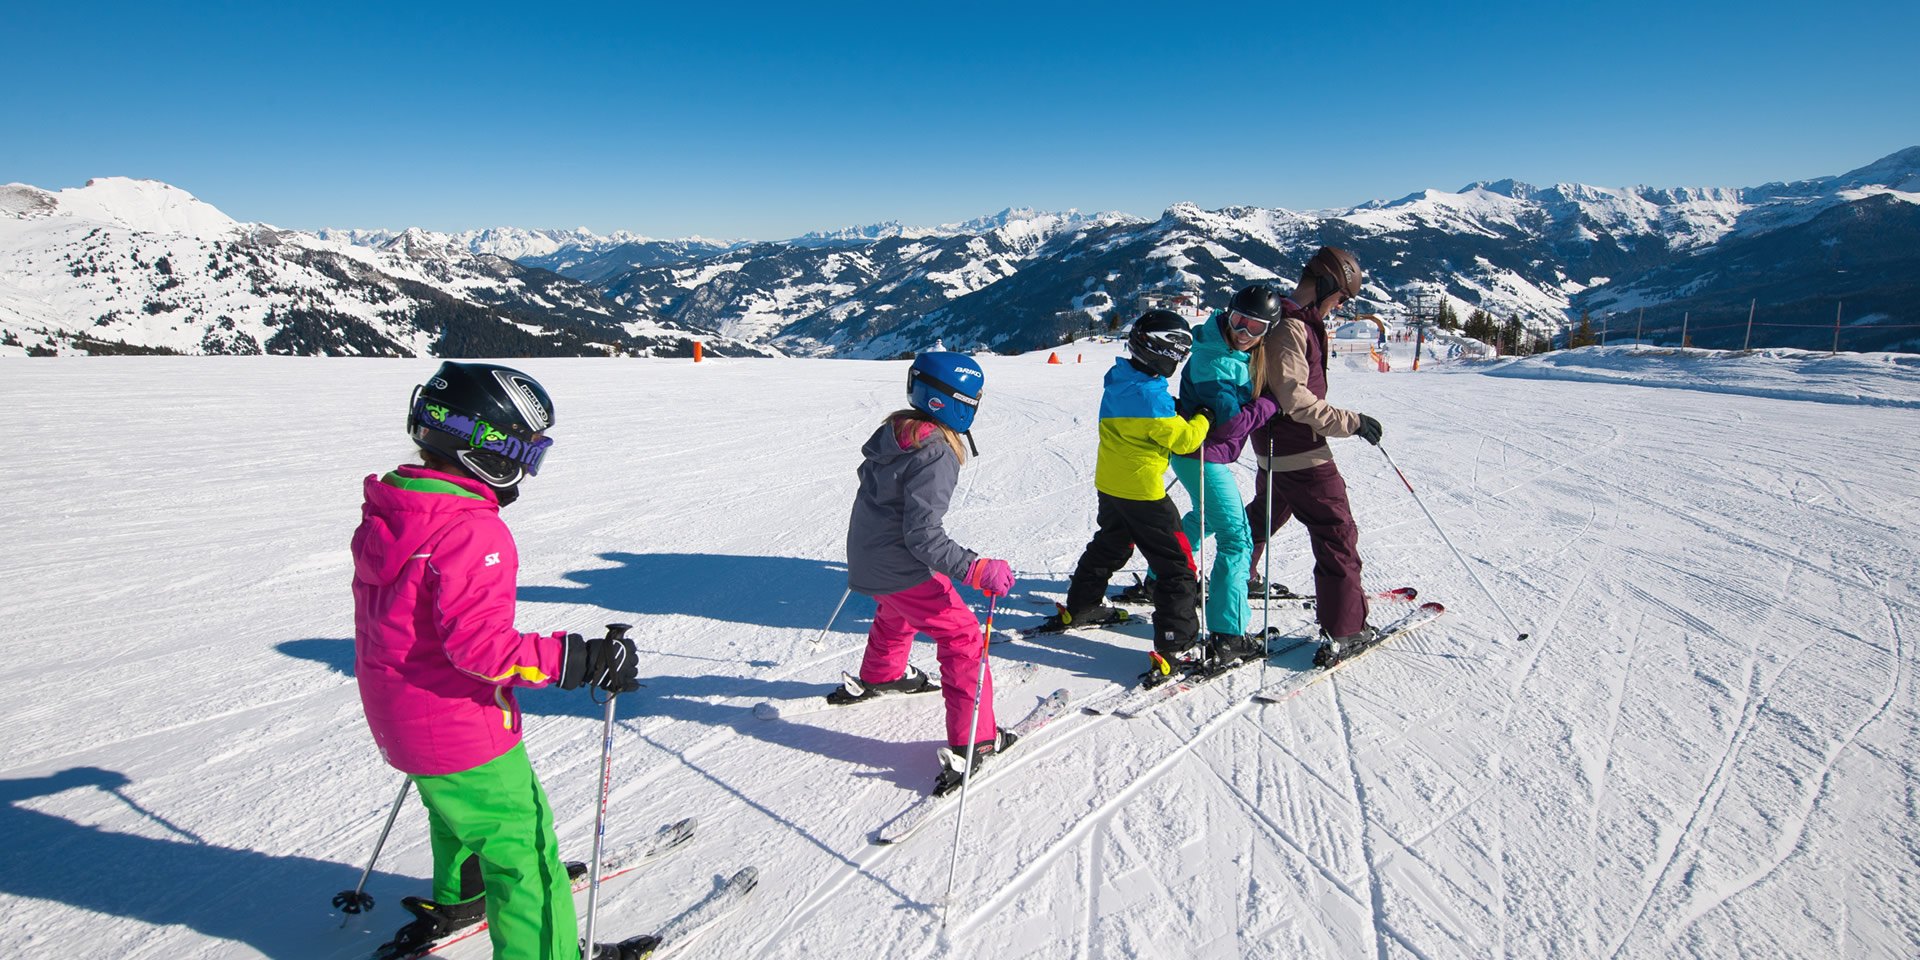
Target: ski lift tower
[1423,308]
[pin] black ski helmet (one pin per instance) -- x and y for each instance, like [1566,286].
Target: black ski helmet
[1259,301]
[490,419]
[1160,340]
[1334,271]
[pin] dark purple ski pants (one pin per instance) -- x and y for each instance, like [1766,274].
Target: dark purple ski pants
[1318,496]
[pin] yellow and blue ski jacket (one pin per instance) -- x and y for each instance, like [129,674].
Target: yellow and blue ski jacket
[1138,429]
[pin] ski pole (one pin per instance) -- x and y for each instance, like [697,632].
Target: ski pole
[973,736]
[615,631]
[822,638]
[1266,574]
[1449,543]
[356,900]
[1200,457]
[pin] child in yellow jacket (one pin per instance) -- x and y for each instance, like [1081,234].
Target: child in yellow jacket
[1138,431]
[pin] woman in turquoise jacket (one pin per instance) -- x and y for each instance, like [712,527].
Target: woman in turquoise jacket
[1220,380]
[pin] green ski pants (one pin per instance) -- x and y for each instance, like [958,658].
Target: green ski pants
[497,813]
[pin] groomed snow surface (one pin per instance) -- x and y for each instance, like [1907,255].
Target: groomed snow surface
[1705,749]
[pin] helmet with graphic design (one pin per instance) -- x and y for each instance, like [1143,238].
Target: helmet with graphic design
[491,420]
[946,386]
[1160,340]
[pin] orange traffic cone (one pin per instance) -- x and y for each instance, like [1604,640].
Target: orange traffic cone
[1053,358]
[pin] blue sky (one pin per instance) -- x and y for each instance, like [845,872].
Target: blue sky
[749,121]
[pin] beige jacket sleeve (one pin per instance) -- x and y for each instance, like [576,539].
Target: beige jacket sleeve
[1287,381]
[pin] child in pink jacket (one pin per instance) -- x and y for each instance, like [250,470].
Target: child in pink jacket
[437,657]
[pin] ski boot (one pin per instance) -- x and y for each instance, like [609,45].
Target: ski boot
[1336,649]
[853,691]
[432,921]
[1231,649]
[953,760]
[1171,660]
[1064,619]
[1140,593]
[1259,589]
[633,948]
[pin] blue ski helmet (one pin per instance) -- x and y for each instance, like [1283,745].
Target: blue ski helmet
[946,386]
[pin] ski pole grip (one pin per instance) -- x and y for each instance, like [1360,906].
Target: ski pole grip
[618,631]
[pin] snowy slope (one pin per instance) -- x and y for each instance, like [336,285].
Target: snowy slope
[1705,749]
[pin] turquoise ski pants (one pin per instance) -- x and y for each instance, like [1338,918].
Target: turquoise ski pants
[1233,542]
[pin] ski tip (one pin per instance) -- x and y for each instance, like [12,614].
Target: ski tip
[1433,607]
[1525,636]
[766,710]
[746,879]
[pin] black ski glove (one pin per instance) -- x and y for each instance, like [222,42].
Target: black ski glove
[1370,430]
[612,665]
[1213,419]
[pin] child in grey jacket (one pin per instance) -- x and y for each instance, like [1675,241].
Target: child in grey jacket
[899,553]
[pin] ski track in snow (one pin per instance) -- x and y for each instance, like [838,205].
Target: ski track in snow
[1704,748]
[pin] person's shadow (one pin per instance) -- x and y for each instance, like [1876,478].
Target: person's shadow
[245,896]
[790,592]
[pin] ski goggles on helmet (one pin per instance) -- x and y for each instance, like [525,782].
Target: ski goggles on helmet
[479,435]
[1247,324]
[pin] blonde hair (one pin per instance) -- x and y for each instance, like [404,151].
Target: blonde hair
[1257,362]
[946,432]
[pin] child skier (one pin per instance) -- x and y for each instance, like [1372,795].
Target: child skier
[1138,429]
[1292,450]
[436,655]
[899,554]
[1224,376]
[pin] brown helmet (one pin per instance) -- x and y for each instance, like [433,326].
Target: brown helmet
[1338,271]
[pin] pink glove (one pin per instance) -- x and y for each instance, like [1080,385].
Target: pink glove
[991,577]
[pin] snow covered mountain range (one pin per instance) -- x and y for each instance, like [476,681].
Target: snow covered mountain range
[139,266]
[82,267]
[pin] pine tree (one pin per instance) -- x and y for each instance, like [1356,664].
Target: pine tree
[1583,337]
[1514,335]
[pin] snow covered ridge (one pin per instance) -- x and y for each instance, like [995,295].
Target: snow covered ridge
[1013,281]
[1546,255]
[137,266]
[147,206]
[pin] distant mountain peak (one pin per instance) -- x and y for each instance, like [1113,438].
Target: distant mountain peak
[147,206]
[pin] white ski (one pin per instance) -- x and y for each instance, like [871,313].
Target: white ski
[925,809]
[711,908]
[786,708]
[1292,686]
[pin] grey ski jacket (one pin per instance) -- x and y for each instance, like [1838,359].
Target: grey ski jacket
[895,539]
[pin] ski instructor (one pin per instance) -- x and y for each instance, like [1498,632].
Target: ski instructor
[1291,447]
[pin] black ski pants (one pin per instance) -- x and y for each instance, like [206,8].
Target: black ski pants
[1154,527]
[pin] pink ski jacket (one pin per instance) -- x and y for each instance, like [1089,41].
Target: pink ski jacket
[435,650]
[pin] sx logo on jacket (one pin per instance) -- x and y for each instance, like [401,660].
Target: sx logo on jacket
[493,559]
